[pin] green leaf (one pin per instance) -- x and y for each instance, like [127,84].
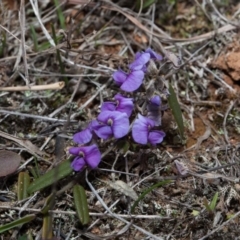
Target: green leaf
[213,203]
[62,170]
[61,65]
[3,44]
[47,232]
[48,205]
[176,110]
[145,4]
[23,183]
[60,15]
[159,184]
[34,38]
[81,205]
[205,203]
[17,223]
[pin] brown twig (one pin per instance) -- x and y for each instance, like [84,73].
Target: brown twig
[52,86]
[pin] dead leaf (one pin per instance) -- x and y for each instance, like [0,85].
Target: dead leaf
[25,143]
[9,162]
[122,187]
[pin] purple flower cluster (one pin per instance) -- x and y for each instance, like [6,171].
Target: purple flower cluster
[113,121]
[114,118]
[131,81]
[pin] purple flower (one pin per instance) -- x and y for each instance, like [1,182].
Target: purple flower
[122,104]
[154,55]
[143,133]
[89,156]
[141,59]
[128,82]
[86,135]
[154,110]
[112,123]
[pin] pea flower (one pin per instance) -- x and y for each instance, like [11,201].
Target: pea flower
[128,82]
[154,55]
[85,136]
[112,123]
[141,59]
[122,104]
[85,156]
[143,133]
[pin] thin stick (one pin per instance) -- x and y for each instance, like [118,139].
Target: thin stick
[129,216]
[225,120]
[35,116]
[52,86]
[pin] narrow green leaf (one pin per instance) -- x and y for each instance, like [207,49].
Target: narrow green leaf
[17,223]
[145,192]
[176,110]
[60,14]
[23,183]
[81,205]
[3,44]
[145,4]
[61,65]
[34,38]
[59,172]
[48,205]
[205,203]
[47,232]
[213,203]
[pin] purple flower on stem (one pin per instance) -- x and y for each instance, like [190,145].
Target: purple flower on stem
[143,133]
[86,135]
[89,156]
[154,110]
[128,82]
[122,104]
[112,123]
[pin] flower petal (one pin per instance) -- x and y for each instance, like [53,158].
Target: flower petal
[140,60]
[140,130]
[156,100]
[156,136]
[103,131]
[153,54]
[92,156]
[105,116]
[78,164]
[108,106]
[119,77]
[75,151]
[120,126]
[124,104]
[83,137]
[133,81]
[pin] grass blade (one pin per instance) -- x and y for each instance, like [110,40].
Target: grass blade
[148,190]
[176,110]
[213,203]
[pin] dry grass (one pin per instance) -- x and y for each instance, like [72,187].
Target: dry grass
[70,72]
